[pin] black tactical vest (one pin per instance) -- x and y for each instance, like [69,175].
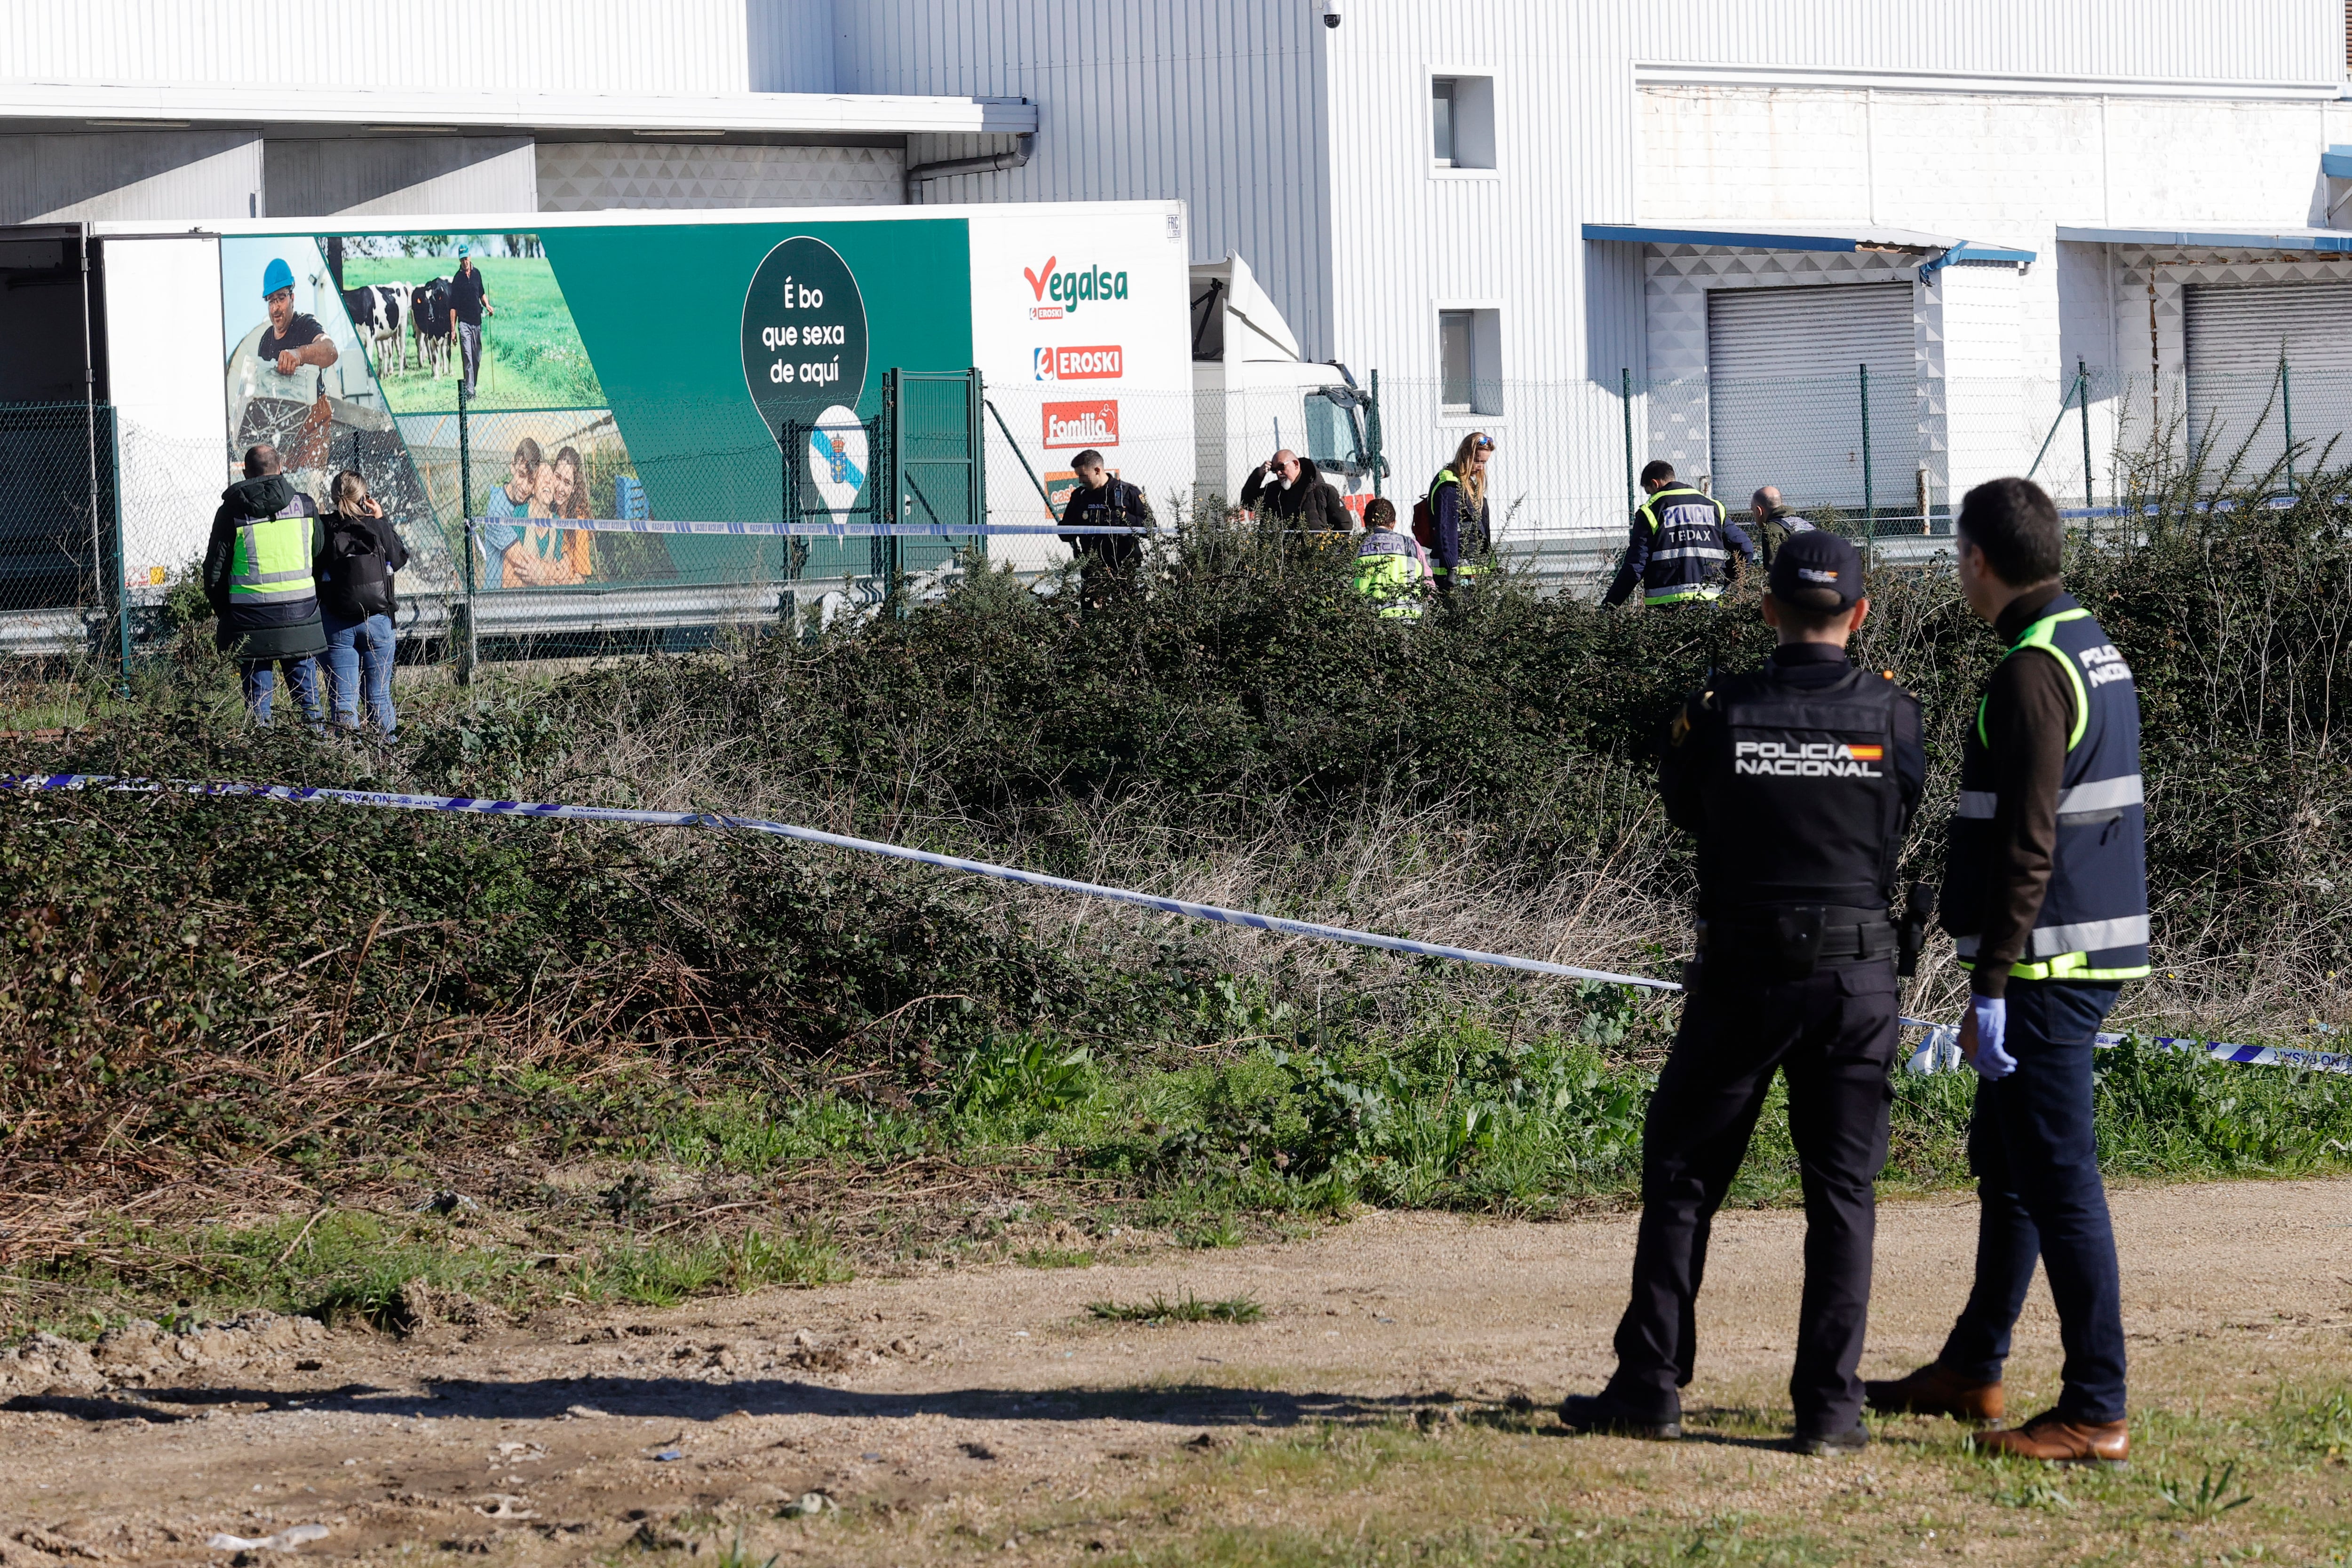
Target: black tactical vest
[1802,803]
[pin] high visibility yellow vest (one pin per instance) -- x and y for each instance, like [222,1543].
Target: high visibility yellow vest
[272,558]
[1393,582]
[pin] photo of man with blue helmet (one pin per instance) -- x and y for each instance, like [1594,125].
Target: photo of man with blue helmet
[292,339]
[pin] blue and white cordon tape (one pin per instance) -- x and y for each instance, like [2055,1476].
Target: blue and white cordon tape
[1939,1052]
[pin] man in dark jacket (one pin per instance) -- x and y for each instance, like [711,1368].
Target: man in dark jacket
[2045,894]
[260,572]
[1775,524]
[1291,492]
[1682,545]
[1106,562]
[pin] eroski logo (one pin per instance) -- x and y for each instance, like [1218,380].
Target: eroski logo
[1807,758]
[1094,363]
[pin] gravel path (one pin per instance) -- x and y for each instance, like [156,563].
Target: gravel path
[572,1434]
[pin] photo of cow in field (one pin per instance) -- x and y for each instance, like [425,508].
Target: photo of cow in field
[429,309]
[379,313]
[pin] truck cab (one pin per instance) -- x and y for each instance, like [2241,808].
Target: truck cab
[1254,392]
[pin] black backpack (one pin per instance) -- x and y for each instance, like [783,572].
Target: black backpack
[359,578]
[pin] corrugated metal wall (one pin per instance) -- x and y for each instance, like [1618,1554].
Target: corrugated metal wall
[1218,102]
[514,46]
[2248,41]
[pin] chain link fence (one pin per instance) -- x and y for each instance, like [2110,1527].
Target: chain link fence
[539,528]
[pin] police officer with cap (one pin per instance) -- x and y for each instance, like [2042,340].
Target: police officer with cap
[1798,781]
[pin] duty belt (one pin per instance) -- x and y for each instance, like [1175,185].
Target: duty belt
[1786,935]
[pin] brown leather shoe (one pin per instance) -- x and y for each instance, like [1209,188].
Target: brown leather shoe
[1934,1390]
[2052,1437]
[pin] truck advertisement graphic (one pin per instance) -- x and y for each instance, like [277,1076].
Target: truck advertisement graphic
[639,367]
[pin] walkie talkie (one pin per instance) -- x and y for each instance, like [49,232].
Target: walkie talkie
[1911,933]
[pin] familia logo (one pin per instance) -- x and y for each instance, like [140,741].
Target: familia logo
[1807,760]
[1103,362]
[1094,423]
[1066,290]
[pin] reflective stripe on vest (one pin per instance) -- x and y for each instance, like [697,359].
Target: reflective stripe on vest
[2094,922]
[1688,555]
[1390,580]
[272,558]
[1684,592]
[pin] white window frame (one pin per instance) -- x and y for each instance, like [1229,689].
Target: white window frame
[1459,416]
[1430,76]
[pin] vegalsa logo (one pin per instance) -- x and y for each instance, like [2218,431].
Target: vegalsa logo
[1807,760]
[1102,363]
[1067,289]
[1094,423]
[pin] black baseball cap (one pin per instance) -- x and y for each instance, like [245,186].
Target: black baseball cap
[1817,571]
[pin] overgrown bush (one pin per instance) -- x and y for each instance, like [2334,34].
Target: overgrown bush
[184,978]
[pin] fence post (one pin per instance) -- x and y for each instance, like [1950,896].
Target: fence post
[975,438]
[2286,412]
[469,650]
[2082,382]
[1869,498]
[885,546]
[1372,434]
[121,570]
[1625,405]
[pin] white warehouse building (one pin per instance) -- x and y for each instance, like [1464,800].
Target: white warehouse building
[1731,232]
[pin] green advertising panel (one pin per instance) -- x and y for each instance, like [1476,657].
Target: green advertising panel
[632,372]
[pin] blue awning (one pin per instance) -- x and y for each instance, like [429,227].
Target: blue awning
[1750,236]
[2337,163]
[1936,250]
[2277,240]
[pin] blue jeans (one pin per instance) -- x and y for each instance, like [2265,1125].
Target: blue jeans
[359,662]
[2037,1168]
[260,680]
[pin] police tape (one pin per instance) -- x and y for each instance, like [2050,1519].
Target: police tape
[1940,1052]
[543,810]
[794,530]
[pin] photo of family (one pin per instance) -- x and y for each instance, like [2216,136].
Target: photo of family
[560,469]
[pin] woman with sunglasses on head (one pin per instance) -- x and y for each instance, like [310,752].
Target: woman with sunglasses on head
[1458,512]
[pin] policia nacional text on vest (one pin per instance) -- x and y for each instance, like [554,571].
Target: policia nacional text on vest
[1807,776]
[269,562]
[2094,922]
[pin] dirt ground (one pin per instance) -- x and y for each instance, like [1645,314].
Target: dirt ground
[955,1413]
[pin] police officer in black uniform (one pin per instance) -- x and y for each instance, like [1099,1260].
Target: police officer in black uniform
[1798,781]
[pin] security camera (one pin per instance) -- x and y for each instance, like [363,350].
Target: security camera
[1330,15]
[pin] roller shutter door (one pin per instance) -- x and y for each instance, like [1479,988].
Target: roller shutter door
[1784,393]
[2233,337]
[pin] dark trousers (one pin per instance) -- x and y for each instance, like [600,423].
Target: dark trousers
[1833,1033]
[2037,1168]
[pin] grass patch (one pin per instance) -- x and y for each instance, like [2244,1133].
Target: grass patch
[342,1265]
[1186,1308]
[1057,1257]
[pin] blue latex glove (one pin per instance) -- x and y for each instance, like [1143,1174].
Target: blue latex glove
[1990,1015]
